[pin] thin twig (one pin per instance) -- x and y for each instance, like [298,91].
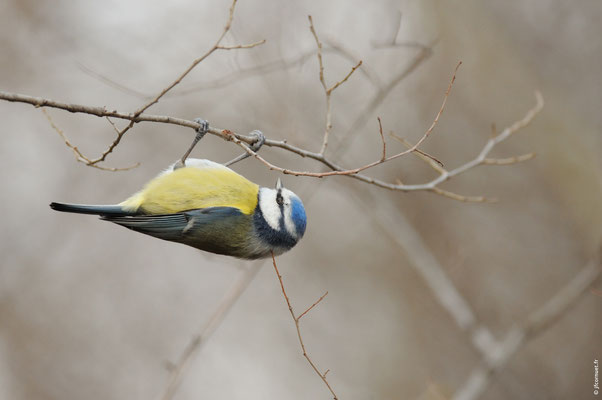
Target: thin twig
[429,159]
[179,79]
[463,198]
[339,48]
[79,156]
[312,306]
[296,320]
[382,138]
[133,118]
[509,160]
[355,171]
[481,158]
[327,90]
[139,116]
[339,83]
[319,54]
[241,140]
[194,63]
[379,97]
[241,46]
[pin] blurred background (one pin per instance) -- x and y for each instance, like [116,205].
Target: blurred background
[429,298]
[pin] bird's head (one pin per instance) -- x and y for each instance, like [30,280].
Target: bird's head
[280,219]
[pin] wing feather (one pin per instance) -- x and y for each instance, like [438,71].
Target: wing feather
[177,226]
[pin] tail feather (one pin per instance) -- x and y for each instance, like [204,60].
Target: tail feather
[90,209]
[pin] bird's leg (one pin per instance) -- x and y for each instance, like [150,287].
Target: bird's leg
[200,132]
[255,146]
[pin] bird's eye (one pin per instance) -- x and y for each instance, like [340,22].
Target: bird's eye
[279,199]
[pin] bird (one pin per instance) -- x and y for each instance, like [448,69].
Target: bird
[207,205]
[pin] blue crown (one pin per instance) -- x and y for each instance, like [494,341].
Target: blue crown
[298,216]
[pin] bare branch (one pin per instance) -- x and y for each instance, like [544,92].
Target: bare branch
[79,156]
[179,79]
[382,93]
[355,171]
[434,123]
[446,175]
[243,140]
[197,61]
[241,46]
[340,49]
[133,118]
[327,90]
[339,83]
[509,160]
[114,143]
[335,169]
[319,54]
[296,320]
[466,199]
[312,306]
[429,159]
[138,115]
[536,323]
[328,124]
[382,138]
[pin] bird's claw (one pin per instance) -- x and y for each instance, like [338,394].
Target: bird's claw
[203,126]
[200,132]
[259,140]
[255,146]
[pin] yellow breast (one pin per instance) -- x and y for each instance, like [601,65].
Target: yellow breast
[194,187]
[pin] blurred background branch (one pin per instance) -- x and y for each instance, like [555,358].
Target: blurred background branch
[537,323]
[230,298]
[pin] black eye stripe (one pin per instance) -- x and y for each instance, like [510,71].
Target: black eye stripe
[279,198]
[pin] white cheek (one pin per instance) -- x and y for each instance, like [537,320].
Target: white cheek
[270,209]
[288,221]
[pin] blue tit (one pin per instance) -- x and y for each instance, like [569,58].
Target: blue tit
[206,205]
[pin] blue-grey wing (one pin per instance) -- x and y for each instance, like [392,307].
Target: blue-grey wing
[183,226]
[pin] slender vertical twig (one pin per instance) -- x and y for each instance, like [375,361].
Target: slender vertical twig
[327,90]
[299,336]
